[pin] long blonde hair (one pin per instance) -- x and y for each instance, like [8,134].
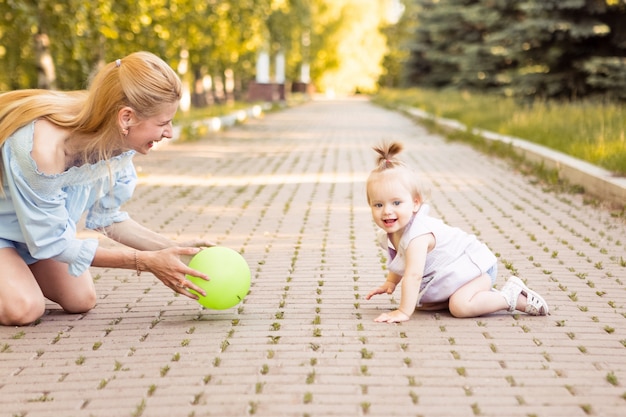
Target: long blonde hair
[141,81]
[388,163]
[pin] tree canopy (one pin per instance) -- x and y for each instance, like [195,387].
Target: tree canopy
[58,43]
[538,48]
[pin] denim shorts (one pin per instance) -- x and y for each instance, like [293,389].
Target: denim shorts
[21,249]
[493,273]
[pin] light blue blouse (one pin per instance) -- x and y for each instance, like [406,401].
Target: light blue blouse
[39,212]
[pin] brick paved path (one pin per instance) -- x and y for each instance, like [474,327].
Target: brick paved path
[288,191]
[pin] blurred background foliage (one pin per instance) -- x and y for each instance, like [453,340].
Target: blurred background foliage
[59,43]
[566,49]
[549,71]
[565,59]
[518,48]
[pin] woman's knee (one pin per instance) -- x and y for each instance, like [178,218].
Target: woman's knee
[74,294]
[21,299]
[21,310]
[80,303]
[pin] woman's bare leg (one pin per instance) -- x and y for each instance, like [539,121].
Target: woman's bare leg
[73,294]
[21,299]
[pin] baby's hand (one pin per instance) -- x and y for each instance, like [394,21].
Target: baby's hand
[386,288]
[395,316]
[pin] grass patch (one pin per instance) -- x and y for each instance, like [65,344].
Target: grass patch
[589,130]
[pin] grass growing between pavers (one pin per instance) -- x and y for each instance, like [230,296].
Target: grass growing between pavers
[303,342]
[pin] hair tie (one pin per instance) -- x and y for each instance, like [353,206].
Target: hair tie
[118,62]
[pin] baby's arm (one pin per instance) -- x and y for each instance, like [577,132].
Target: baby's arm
[388,287]
[411,281]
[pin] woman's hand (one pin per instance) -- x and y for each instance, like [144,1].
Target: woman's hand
[167,266]
[395,316]
[194,243]
[387,288]
[197,243]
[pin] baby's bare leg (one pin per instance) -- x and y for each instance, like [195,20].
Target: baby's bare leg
[476,299]
[442,305]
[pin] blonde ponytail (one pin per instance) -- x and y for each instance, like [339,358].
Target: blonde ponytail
[388,164]
[387,155]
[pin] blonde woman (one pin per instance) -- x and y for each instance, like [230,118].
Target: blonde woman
[64,154]
[439,266]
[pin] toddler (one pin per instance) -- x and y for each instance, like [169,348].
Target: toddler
[439,266]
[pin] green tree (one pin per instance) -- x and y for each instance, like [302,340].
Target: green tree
[438,41]
[605,69]
[20,24]
[545,48]
[216,40]
[454,45]
[356,45]
[398,32]
[560,44]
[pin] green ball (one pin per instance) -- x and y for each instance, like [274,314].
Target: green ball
[229,275]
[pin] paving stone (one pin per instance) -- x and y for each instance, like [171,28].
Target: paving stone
[288,191]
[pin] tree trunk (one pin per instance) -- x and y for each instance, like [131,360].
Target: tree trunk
[46,74]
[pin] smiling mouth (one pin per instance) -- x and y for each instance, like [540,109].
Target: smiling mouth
[389,222]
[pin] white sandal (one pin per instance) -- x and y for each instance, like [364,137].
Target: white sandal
[535,304]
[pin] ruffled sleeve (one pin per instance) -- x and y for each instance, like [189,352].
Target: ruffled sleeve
[106,210]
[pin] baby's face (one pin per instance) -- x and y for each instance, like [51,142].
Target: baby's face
[392,204]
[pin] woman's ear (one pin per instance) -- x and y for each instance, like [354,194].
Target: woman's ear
[125,117]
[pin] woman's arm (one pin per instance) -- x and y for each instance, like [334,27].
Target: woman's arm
[165,264]
[155,253]
[134,235]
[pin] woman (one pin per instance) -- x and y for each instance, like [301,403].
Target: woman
[69,153]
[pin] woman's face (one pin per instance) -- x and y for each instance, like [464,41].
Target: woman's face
[143,134]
